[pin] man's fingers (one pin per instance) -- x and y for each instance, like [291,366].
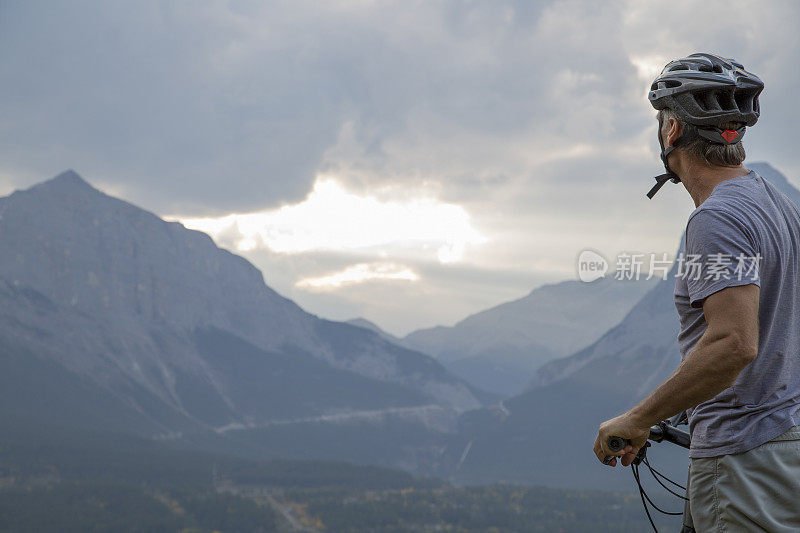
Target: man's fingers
[604,446]
[598,449]
[628,458]
[600,452]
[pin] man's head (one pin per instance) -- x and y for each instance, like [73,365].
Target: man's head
[705,103]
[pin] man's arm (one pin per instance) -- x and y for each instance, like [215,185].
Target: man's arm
[728,345]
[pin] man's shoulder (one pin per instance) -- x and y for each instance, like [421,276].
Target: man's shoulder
[717,210]
[719,221]
[732,198]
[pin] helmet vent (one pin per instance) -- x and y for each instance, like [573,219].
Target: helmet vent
[710,68]
[707,101]
[727,101]
[666,84]
[744,100]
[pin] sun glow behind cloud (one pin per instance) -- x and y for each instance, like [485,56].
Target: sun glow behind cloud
[357,274]
[333,219]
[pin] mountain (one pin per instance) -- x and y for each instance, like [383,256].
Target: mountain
[544,435]
[372,326]
[499,349]
[113,318]
[650,328]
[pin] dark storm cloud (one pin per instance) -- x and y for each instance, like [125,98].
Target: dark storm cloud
[202,108]
[215,106]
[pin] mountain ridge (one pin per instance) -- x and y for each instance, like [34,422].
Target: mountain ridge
[500,348]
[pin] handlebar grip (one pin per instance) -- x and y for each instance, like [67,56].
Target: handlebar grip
[616,444]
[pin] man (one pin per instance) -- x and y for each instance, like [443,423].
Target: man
[739,378]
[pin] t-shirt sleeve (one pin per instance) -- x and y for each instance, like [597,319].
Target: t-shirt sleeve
[721,252]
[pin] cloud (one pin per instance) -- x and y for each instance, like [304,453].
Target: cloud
[232,106]
[531,118]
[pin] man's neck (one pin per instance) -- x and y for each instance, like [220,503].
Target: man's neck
[700,178]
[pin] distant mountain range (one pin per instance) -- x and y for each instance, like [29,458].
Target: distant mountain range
[500,348]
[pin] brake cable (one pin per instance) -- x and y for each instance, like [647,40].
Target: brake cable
[658,433]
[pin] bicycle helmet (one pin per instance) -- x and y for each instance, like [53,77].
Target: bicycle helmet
[705,90]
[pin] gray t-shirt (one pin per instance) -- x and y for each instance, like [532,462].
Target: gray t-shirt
[745,232]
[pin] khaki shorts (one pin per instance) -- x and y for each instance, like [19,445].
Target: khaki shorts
[758,490]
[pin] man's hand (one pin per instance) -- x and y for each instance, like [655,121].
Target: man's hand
[627,427]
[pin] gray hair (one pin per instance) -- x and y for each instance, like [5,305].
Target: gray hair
[712,153]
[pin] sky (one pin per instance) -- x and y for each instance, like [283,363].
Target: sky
[407,162]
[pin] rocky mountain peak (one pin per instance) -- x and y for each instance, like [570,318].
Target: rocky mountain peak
[66,183]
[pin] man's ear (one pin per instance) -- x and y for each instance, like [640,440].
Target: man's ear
[674,131]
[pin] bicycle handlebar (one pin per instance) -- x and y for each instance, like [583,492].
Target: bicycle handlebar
[665,432]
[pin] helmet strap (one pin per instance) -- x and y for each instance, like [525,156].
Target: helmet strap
[660,181]
[670,175]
